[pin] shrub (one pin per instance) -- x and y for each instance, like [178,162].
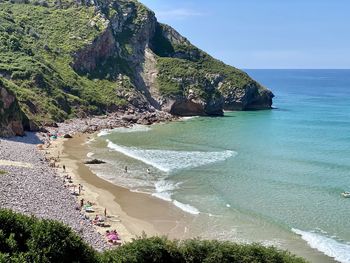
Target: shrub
[160,249]
[144,250]
[28,239]
[23,237]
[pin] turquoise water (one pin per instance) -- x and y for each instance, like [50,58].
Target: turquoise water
[252,176]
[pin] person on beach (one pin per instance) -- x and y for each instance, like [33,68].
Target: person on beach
[148,171]
[64,168]
[105,213]
[126,169]
[79,189]
[82,203]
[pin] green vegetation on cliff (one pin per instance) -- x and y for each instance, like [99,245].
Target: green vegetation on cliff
[36,47]
[27,239]
[185,62]
[72,58]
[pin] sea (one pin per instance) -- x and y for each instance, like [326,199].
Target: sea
[272,176]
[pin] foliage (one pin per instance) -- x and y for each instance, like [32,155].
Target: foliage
[28,239]
[160,249]
[36,47]
[181,62]
[40,41]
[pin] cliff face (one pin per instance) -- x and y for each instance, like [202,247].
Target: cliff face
[11,117]
[172,74]
[76,58]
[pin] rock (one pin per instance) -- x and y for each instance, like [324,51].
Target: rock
[11,116]
[195,106]
[130,118]
[94,161]
[34,127]
[88,58]
[252,97]
[67,136]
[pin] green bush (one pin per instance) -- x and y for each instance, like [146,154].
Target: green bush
[157,249]
[28,239]
[144,250]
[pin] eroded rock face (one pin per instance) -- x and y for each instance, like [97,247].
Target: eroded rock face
[88,58]
[10,114]
[192,107]
[252,97]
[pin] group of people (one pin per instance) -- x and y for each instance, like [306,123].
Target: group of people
[86,206]
[113,237]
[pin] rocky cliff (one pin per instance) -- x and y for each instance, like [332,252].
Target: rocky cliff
[11,117]
[78,58]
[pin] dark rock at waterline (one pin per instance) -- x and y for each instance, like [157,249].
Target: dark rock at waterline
[130,118]
[94,161]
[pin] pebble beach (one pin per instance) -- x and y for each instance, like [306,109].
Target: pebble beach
[29,186]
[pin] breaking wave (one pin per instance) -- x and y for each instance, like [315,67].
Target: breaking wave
[328,246]
[169,160]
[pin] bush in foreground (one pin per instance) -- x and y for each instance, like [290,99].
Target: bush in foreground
[162,250]
[28,239]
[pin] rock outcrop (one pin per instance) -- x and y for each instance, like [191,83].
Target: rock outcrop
[252,97]
[11,117]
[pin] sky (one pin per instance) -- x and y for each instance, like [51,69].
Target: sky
[298,34]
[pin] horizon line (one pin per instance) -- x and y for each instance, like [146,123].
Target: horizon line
[294,68]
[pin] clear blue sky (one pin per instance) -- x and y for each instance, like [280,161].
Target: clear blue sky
[264,33]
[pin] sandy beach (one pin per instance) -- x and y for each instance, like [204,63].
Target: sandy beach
[131,214]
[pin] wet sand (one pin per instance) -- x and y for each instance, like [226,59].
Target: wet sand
[138,212]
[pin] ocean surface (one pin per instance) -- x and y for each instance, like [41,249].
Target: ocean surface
[272,176]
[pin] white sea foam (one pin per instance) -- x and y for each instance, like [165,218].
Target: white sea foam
[328,246]
[164,196]
[103,133]
[89,154]
[89,141]
[168,161]
[186,207]
[165,186]
[134,128]
[188,118]
[164,189]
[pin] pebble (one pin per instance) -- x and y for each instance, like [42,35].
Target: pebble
[39,191]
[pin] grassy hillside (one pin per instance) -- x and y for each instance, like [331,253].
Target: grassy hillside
[36,47]
[182,60]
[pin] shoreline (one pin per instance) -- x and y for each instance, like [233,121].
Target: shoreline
[138,212]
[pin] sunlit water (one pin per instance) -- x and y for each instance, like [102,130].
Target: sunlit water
[270,176]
